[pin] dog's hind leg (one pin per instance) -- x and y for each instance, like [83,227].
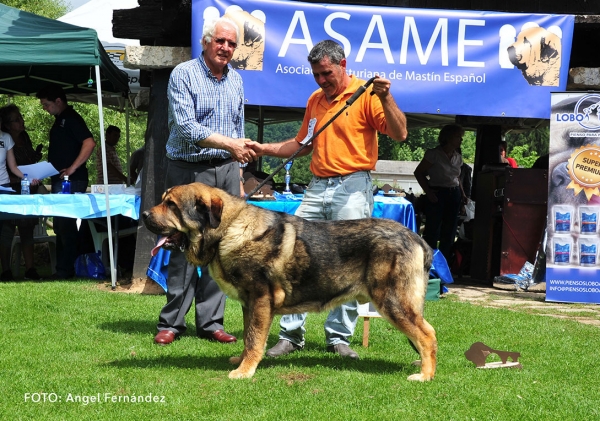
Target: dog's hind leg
[258,317]
[422,336]
[420,333]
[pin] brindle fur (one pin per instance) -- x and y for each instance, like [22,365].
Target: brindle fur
[275,263]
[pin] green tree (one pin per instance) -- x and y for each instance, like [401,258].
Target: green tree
[52,9]
[524,156]
[527,146]
[417,142]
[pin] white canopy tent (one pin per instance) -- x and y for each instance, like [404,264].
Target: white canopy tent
[97,15]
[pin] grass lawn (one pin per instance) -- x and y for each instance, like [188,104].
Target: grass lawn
[74,351]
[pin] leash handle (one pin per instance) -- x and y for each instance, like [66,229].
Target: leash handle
[350,101]
[360,91]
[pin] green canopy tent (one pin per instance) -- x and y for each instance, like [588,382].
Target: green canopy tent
[36,51]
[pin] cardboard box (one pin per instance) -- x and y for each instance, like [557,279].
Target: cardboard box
[112,188]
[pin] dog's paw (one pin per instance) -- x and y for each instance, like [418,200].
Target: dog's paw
[416,363]
[238,374]
[235,360]
[420,377]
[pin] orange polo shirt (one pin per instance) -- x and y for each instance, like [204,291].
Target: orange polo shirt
[349,143]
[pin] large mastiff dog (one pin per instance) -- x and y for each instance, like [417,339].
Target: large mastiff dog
[274,263]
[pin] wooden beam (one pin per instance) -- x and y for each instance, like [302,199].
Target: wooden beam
[164,25]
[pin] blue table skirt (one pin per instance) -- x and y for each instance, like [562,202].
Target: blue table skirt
[76,205]
[396,208]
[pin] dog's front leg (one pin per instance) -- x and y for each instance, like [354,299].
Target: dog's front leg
[258,316]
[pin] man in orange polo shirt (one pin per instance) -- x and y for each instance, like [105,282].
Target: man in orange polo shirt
[344,154]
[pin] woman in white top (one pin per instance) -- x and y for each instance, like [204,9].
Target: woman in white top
[443,189]
[7,159]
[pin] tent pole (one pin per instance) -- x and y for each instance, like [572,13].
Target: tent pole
[127,145]
[113,270]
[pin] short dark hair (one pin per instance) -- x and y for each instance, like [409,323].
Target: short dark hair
[111,129]
[326,48]
[5,113]
[448,131]
[51,93]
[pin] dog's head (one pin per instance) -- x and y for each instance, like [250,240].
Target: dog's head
[183,217]
[536,52]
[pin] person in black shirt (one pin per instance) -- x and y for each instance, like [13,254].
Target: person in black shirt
[71,144]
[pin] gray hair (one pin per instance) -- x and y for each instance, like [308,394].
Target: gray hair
[326,48]
[209,28]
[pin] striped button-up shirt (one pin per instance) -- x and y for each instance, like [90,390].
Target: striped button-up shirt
[200,105]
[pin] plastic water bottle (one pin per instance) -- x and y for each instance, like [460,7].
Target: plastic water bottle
[25,185]
[66,185]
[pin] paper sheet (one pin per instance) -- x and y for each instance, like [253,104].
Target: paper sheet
[40,170]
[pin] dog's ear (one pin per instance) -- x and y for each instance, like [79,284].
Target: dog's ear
[166,192]
[216,209]
[548,49]
[213,209]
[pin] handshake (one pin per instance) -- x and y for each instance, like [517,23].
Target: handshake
[247,150]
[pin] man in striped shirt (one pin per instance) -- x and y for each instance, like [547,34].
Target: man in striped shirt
[206,144]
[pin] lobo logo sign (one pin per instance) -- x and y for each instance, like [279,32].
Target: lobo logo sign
[586,112]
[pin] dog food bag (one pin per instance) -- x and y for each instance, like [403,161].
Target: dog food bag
[588,219]
[588,251]
[563,218]
[562,249]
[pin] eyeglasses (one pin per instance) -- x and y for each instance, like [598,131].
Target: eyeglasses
[222,41]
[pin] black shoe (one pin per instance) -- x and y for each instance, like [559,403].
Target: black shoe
[6,276]
[343,350]
[282,347]
[31,274]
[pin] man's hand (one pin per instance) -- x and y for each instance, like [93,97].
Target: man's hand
[65,171]
[256,147]
[241,150]
[381,87]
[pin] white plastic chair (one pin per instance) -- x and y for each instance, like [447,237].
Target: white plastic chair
[101,241]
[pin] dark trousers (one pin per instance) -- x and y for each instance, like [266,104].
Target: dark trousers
[67,234]
[183,283]
[441,220]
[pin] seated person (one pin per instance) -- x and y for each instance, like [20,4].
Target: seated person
[505,159]
[114,170]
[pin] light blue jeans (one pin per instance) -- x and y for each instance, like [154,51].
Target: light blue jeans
[333,198]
